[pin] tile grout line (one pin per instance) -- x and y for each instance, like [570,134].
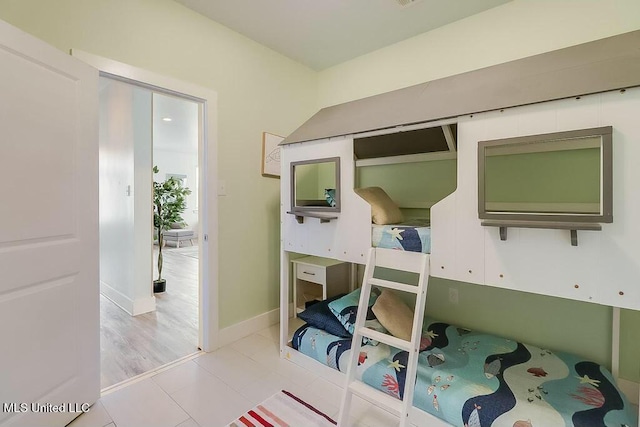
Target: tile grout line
[168,366]
[231,386]
[180,406]
[215,376]
[149,374]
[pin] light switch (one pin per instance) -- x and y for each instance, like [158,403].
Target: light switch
[453,296]
[222,188]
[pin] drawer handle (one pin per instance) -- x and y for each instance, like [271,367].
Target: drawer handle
[310,274]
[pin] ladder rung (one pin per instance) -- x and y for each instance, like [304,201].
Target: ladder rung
[387,339]
[377,397]
[394,285]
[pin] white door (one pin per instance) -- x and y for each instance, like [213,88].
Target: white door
[49,307]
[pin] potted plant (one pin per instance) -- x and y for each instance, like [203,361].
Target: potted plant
[169,201]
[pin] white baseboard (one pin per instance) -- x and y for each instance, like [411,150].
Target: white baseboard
[630,389]
[144,305]
[248,327]
[132,307]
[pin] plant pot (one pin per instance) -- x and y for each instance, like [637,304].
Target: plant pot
[159,286]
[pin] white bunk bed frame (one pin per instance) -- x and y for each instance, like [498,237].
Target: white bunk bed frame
[389,257]
[418,416]
[465,251]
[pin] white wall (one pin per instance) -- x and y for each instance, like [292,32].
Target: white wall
[175,146]
[125,196]
[179,163]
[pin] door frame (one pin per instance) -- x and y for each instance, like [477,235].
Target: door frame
[208,307]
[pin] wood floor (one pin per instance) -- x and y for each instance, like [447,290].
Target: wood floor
[134,345]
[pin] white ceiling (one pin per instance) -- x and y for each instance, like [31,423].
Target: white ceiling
[323,33]
[181,133]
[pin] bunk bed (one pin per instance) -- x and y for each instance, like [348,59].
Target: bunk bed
[474,379]
[468,378]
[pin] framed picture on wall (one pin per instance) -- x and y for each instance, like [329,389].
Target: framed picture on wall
[271,154]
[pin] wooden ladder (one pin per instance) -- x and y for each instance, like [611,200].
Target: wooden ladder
[398,260]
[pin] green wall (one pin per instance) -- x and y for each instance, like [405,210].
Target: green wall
[311,180]
[555,323]
[569,176]
[417,182]
[518,29]
[306,182]
[326,177]
[530,318]
[258,91]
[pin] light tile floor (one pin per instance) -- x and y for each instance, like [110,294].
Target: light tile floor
[215,388]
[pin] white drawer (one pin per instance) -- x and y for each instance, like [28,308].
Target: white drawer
[312,273]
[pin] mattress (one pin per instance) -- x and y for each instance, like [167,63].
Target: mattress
[413,236]
[473,379]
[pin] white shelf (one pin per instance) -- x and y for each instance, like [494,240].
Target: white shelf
[300,216]
[573,227]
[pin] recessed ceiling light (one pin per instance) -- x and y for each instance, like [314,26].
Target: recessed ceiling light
[167,119]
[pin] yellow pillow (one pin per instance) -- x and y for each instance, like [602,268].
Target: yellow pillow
[383,209]
[394,315]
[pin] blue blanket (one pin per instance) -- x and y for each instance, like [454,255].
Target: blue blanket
[472,379]
[413,236]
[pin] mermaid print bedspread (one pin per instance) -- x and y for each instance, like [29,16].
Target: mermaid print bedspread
[472,379]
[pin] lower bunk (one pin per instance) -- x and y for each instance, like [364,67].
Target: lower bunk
[473,379]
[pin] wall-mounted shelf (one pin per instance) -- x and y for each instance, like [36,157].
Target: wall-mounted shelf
[573,227]
[301,215]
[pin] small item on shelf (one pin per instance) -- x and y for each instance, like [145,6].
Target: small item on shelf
[330,196]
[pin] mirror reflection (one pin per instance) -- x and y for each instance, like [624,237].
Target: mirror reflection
[316,185]
[544,177]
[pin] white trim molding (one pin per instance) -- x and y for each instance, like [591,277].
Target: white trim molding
[133,307]
[247,327]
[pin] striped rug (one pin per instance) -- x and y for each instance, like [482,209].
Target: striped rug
[283,409]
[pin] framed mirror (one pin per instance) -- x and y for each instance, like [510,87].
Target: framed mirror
[315,185]
[558,177]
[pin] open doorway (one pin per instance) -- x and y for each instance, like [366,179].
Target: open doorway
[141,330]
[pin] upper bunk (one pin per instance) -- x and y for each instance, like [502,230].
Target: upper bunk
[584,87]
[373,207]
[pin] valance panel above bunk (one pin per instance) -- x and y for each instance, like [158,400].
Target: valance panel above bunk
[427,140]
[599,66]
